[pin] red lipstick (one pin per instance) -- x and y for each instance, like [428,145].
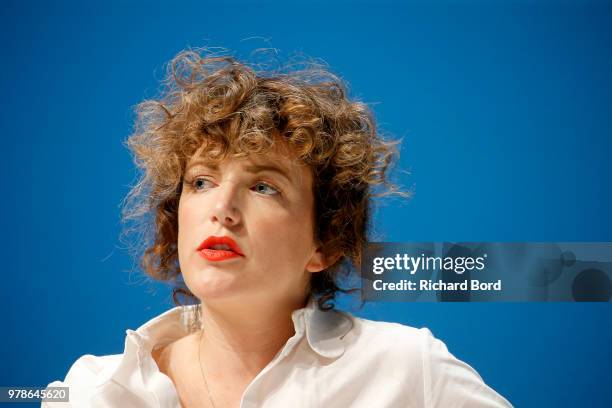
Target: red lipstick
[219,249]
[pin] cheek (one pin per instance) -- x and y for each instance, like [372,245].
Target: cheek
[283,236]
[187,224]
[189,213]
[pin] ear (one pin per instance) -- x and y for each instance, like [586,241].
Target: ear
[320,261]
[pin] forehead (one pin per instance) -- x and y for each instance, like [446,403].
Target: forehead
[279,156]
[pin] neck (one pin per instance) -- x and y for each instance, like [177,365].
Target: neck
[246,336]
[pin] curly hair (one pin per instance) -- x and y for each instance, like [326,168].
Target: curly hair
[231,108]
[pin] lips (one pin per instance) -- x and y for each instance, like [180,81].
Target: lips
[219,249]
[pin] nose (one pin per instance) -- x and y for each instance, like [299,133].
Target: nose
[225,208]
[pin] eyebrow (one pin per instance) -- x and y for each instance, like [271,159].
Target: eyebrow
[253,168]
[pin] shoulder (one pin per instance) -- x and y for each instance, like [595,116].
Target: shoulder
[400,349]
[400,338]
[86,375]
[91,370]
[415,357]
[128,379]
[390,336]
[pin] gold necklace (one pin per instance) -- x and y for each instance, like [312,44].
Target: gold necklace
[212,404]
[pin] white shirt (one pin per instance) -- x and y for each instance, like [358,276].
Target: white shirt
[333,360]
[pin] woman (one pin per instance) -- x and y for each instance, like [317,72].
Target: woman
[260,184]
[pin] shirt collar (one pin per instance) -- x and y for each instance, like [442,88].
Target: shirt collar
[325,331]
[162,329]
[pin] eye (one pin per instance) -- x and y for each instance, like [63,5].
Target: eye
[201,183]
[266,189]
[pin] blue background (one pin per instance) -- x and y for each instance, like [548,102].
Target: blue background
[504,110]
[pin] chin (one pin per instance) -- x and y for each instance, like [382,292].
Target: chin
[213,285]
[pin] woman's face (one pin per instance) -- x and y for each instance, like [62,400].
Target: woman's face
[264,203]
